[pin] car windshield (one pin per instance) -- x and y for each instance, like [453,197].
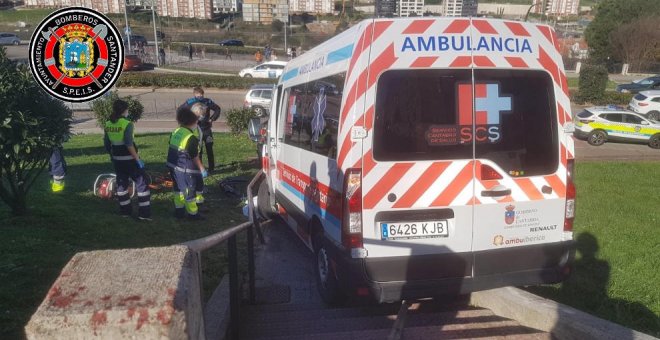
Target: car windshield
[640,96]
[647,81]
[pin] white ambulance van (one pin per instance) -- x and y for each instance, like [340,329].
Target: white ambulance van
[419,157]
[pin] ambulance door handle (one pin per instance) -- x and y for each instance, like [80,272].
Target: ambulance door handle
[496,192]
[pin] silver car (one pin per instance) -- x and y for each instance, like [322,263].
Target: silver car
[258,98]
[9,39]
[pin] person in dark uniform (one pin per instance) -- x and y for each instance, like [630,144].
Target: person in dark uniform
[205,122]
[185,165]
[119,141]
[199,110]
[57,169]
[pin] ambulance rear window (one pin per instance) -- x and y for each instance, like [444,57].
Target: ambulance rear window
[508,116]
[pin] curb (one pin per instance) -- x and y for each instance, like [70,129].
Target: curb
[562,321]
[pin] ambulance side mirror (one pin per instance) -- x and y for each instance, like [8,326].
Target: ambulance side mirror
[569,127]
[253,129]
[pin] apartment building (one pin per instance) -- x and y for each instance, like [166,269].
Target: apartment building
[311,6]
[408,7]
[200,9]
[557,7]
[226,6]
[460,8]
[265,11]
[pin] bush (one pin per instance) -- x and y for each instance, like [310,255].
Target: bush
[593,82]
[137,79]
[32,123]
[238,119]
[102,108]
[608,98]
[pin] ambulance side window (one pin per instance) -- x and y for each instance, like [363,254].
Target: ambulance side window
[312,111]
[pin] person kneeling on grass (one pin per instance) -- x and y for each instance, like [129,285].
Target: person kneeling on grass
[184,164]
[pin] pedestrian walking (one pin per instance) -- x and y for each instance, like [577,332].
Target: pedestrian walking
[190,51]
[119,141]
[227,54]
[258,57]
[205,122]
[293,52]
[161,55]
[57,169]
[184,164]
[267,52]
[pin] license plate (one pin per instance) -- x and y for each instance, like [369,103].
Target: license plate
[412,230]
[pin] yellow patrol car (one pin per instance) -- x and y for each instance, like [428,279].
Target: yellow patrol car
[600,124]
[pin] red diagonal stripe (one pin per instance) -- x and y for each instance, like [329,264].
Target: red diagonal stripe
[557,185]
[345,148]
[424,62]
[564,113]
[421,185]
[368,162]
[564,82]
[560,114]
[546,32]
[457,185]
[418,26]
[555,40]
[370,34]
[385,184]
[461,62]
[382,62]
[484,27]
[369,118]
[517,29]
[548,64]
[483,61]
[563,154]
[457,26]
[517,62]
[529,188]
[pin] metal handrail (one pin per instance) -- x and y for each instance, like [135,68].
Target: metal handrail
[229,235]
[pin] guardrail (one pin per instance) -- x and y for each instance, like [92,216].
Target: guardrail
[229,235]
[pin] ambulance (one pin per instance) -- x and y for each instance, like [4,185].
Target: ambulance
[421,157]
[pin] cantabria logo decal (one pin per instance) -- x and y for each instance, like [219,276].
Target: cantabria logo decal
[76,54]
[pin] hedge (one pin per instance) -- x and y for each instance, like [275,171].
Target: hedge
[138,79]
[183,47]
[609,97]
[593,82]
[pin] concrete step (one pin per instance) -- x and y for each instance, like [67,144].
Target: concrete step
[354,321]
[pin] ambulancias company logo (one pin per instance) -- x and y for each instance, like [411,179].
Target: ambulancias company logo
[76,54]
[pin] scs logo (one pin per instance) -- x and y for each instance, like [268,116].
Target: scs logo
[488,106]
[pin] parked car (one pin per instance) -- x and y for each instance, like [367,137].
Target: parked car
[258,98]
[9,39]
[650,83]
[271,69]
[231,42]
[132,63]
[647,103]
[601,124]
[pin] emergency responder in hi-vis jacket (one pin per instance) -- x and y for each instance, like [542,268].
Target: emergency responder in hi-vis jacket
[184,164]
[57,169]
[205,122]
[119,141]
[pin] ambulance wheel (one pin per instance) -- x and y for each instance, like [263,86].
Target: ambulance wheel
[654,142]
[597,137]
[264,205]
[326,279]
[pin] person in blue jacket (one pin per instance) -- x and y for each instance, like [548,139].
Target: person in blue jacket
[205,122]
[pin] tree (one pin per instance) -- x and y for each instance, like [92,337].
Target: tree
[32,123]
[610,14]
[637,43]
[277,26]
[102,108]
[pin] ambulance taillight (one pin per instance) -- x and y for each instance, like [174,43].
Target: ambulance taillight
[570,196]
[352,210]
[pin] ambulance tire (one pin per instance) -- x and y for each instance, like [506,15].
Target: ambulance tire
[326,279]
[597,137]
[264,202]
[654,142]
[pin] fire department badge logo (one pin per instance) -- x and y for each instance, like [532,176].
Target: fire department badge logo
[510,214]
[76,54]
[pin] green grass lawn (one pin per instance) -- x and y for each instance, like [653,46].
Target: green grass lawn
[30,16]
[34,248]
[616,274]
[616,271]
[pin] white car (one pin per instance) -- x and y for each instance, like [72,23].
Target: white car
[647,103]
[600,124]
[270,69]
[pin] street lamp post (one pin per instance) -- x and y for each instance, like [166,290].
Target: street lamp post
[153,17]
[127,30]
